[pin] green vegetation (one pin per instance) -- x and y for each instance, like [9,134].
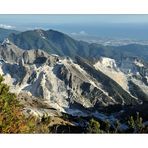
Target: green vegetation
[12,119]
[61,44]
[117,126]
[132,124]
[136,125]
[93,126]
[42,126]
[107,126]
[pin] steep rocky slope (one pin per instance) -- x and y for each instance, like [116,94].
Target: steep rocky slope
[131,73]
[76,87]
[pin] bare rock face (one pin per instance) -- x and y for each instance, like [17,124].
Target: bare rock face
[75,87]
[131,73]
[13,54]
[10,52]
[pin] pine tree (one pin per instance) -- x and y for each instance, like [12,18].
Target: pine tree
[136,125]
[93,126]
[117,126]
[12,119]
[107,126]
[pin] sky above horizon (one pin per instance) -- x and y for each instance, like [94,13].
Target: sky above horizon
[111,25]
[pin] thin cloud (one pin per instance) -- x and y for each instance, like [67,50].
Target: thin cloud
[82,32]
[7,26]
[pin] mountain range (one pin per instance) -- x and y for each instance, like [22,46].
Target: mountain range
[4,33]
[54,42]
[51,73]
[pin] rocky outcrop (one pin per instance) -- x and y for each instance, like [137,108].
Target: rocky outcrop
[130,72]
[75,87]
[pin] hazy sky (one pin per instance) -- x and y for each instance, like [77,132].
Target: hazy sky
[123,26]
[72,19]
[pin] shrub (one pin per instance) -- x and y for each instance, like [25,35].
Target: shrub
[93,126]
[136,125]
[12,120]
